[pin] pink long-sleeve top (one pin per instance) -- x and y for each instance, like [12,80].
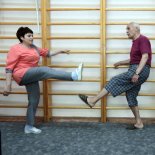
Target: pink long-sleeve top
[21,58]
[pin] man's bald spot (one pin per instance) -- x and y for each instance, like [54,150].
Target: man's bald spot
[135,25]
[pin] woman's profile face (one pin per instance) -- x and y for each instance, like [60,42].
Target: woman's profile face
[27,39]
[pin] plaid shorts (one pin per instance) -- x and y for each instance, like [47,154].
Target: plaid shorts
[122,83]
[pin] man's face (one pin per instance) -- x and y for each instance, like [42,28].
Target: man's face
[28,39]
[131,31]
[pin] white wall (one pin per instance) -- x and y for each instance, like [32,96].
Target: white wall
[80,44]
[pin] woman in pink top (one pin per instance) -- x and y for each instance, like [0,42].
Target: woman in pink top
[22,65]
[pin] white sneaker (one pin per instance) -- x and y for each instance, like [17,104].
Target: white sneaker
[32,130]
[79,71]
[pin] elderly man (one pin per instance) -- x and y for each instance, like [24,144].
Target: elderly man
[129,82]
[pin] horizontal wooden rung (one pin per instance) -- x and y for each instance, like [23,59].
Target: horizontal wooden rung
[15,92]
[127,108]
[14,37]
[2,65]
[83,80]
[18,92]
[18,9]
[146,80]
[3,51]
[78,9]
[2,79]
[80,51]
[77,92]
[74,65]
[73,37]
[112,66]
[72,107]
[140,94]
[74,23]
[115,37]
[120,52]
[89,51]
[130,9]
[16,106]
[18,23]
[125,66]
[117,52]
[84,51]
[90,93]
[72,9]
[125,23]
[71,93]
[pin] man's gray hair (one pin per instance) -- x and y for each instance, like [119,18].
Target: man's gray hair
[136,25]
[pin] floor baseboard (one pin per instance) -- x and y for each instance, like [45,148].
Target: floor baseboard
[77,119]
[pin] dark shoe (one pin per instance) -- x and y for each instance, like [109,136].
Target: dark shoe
[133,128]
[84,99]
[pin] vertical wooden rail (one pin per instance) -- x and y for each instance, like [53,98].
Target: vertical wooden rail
[48,84]
[44,45]
[103,56]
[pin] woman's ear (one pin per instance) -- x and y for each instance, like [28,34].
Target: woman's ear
[22,38]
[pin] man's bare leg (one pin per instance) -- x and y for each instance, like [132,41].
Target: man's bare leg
[135,110]
[92,100]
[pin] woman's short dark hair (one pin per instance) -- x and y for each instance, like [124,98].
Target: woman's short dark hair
[22,31]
